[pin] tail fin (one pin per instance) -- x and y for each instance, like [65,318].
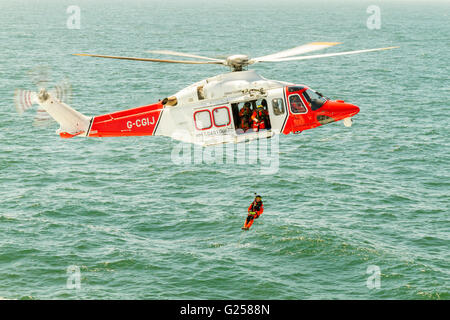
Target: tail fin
[72,122]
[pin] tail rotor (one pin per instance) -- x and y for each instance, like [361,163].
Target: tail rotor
[25,99]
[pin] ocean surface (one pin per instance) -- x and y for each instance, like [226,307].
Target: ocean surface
[351,213]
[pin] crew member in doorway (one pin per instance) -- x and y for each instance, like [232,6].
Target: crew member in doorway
[244,116]
[259,118]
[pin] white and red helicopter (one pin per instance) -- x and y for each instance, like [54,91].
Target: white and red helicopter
[208,112]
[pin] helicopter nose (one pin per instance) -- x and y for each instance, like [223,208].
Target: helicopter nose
[336,110]
[340,110]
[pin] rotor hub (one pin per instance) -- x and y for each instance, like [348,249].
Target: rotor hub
[237,61]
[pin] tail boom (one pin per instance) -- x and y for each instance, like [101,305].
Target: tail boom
[141,121]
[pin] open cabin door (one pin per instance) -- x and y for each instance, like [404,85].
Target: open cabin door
[246,114]
[250,121]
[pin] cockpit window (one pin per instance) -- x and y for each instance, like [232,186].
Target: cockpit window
[295,88]
[296,104]
[314,99]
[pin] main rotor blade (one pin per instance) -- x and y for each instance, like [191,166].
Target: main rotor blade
[313,46]
[327,55]
[181,54]
[147,59]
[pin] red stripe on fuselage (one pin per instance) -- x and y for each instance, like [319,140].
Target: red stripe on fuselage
[140,121]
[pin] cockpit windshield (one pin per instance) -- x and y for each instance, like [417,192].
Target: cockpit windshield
[314,99]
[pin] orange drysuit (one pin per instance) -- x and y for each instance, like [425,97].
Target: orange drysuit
[254,211]
[259,118]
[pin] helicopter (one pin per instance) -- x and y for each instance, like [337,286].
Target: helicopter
[209,112]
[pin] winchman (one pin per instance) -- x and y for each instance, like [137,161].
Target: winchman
[244,116]
[259,118]
[255,209]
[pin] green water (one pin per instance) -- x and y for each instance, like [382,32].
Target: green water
[139,226]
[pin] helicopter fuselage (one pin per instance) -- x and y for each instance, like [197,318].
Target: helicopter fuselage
[209,112]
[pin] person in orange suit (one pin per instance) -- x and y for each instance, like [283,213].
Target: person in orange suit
[255,209]
[244,116]
[259,118]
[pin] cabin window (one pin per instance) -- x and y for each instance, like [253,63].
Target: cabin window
[202,120]
[296,104]
[278,106]
[221,116]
